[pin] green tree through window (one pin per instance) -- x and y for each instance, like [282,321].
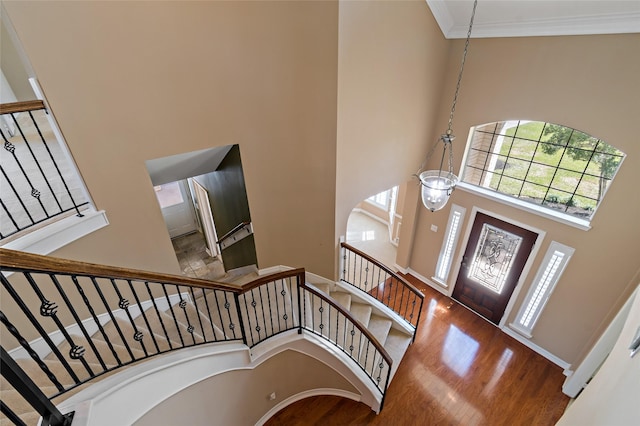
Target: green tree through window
[547,164]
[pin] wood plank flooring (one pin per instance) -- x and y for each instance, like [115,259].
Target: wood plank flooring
[461,370]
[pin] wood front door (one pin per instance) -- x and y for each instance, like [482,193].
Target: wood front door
[491,266]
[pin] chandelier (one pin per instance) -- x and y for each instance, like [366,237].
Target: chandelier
[437,185]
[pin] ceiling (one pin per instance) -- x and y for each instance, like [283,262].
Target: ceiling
[520,18]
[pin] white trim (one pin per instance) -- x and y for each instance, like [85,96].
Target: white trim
[431,283]
[41,347]
[307,394]
[528,343]
[599,352]
[58,234]
[371,215]
[449,243]
[523,205]
[602,23]
[542,286]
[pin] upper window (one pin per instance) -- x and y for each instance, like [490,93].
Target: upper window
[549,165]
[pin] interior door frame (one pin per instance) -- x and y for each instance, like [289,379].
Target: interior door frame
[525,270]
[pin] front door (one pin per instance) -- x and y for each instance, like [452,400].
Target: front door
[491,266]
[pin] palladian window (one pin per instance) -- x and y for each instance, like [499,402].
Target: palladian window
[547,165]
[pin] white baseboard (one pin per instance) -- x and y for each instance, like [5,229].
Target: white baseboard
[429,282]
[548,355]
[306,394]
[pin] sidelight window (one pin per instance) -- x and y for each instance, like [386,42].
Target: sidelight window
[551,269]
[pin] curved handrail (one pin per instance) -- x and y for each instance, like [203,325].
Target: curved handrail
[384,268]
[357,323]
[364,278]
[12,260]
[74,280]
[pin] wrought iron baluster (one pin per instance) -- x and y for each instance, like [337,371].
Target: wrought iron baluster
[173,314]
[195,305]
[137,334]
[227,306]
[18,196]
[146,320]
[50,309]
[209,316]
[395,296]
[31,393]
[35,159]
[55,163]
[245,338]
[124,305]
[75,316]
[215,296]
[284,305]
[8,213]
[155,306]
[32,353]
[254,305]
[11,415]
[95,318]
[264,318]
[183,305]
[36,324]
[34,192]
[270,310]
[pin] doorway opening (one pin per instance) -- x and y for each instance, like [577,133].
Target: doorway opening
[374,225]
[203,199]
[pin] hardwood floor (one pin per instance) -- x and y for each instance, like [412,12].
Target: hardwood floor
[461,370]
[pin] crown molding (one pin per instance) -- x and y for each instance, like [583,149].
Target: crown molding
[608,23]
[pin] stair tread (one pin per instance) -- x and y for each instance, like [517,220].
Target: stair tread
[379,327]
[40,378]
[323,287]
[18,405]
[344,299]
[361,312]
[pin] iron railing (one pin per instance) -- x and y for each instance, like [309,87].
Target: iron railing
[380,282]
[71,322]
[326,318]
[37,181]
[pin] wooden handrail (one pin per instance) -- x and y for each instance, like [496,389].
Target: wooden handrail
[272,277]
[233,231]
[349,316]
[13,260]
[384,268]
[14,107]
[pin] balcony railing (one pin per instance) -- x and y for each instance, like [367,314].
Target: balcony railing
[38,182]
[71,322]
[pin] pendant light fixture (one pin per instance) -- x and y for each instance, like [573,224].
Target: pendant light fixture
[437,185]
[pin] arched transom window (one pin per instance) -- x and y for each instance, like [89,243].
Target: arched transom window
[548,165]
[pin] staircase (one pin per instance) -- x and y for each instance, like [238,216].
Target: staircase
[368,334]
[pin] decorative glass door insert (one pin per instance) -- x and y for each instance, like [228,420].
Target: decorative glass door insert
[493,257]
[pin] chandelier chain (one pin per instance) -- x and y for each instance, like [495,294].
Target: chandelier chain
[464,58]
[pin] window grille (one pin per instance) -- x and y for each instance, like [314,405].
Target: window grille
[556,167]
[445,259]
[551,269]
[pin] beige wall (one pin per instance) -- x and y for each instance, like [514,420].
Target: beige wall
[133,81]
[392,59]
[241,397]
[585,82]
